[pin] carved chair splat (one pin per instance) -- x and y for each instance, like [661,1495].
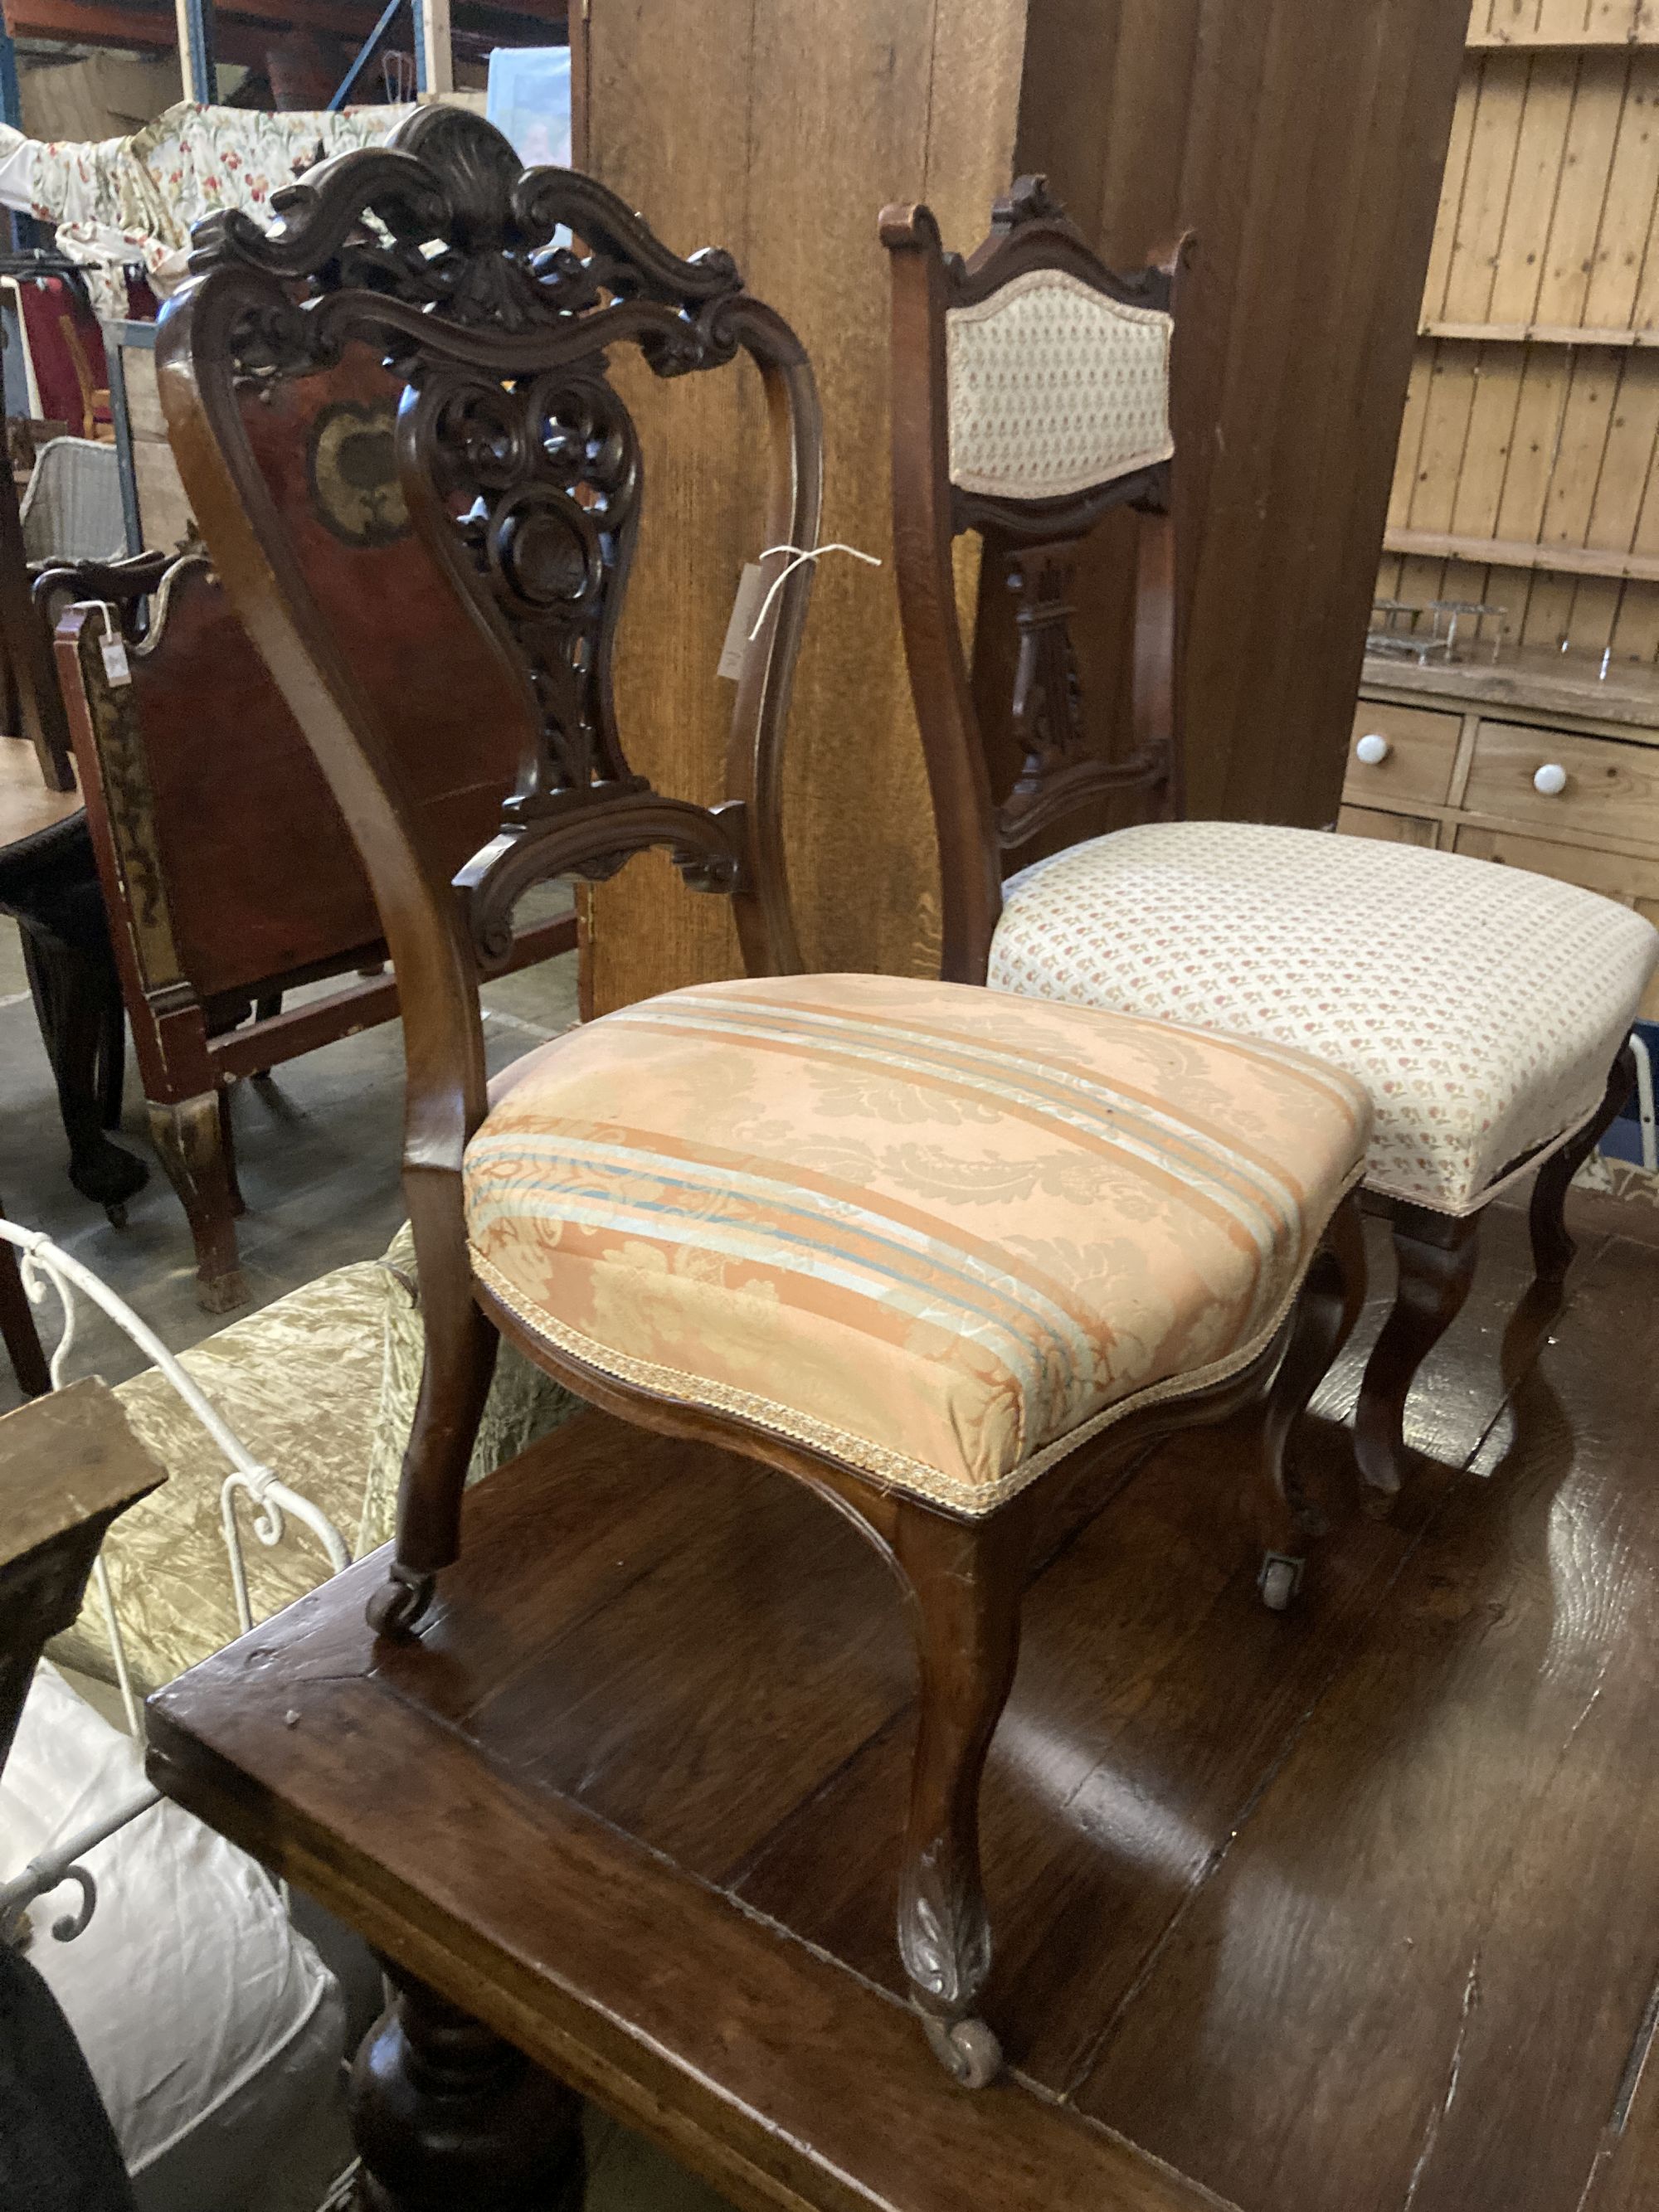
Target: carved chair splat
[1032,395]
[227,871]
[700,1213]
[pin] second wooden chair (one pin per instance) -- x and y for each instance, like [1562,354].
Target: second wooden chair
[1485,1012]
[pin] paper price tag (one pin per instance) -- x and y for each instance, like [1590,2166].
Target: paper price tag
[745,608]
[114,651]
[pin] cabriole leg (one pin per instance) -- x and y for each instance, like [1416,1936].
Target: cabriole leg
[1326,1312]
[460,1359]
[965,1581]
[445,2116]
[1551,1247]
[1437,1255]
[189,1134]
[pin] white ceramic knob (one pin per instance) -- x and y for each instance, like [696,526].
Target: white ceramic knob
[1373,748]
[1550,779]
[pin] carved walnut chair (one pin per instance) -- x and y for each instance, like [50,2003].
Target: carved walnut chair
[1481,1007]
[228,875]
[933,1252]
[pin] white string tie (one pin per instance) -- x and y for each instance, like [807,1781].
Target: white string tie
[802,556]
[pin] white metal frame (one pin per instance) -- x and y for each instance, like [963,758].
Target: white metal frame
[47,1269]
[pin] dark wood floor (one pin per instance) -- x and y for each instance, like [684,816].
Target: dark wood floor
[1354,1910]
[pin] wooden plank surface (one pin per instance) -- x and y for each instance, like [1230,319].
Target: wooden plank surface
[1525,553]
[1472,2055]
[1551,684]
[66,1460]
[593,1952]
[779,135]
[1217,112]
[1265,1889]
[1544,272]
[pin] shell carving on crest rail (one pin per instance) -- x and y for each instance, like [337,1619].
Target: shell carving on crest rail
[519,461]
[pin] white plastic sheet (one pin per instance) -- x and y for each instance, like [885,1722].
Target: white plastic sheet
[213,2030]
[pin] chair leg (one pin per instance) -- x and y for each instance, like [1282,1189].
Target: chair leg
[965,1581]
[17,1329]
[190,1137]
[227,1146]
[460,1359]
[73,990]
[1551,1247]
[112,1059]
[1325,1315]
[1436,1253]
[445,2113]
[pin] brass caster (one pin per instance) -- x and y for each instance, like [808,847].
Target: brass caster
[966,2049]
[398,1603]
[1278,1581]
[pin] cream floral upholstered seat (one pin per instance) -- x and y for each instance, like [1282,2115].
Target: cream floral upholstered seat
[1485,1011]
[928,1231]
[1481,1007]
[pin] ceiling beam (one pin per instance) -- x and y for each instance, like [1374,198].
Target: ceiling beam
[241,29]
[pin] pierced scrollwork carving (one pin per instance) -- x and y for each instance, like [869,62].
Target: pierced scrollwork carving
[518,461]
[1057,772]
[1048,709]
[542,478]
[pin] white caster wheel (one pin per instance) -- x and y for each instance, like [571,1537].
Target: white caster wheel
[1278,1581]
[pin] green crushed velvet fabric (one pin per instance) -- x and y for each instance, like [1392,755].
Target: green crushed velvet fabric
[320,1387]
[523,1402]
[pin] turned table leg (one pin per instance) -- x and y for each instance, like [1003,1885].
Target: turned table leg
[448,2117]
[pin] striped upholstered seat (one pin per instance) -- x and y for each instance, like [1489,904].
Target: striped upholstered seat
[932,1231]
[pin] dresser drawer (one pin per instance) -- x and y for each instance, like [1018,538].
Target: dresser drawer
[1392,829]
[1632,883]
[1420,748]
[1603,788]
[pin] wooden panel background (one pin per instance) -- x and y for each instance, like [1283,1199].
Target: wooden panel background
[1527,472]
[1546,23]
[779,132]
[1304,143]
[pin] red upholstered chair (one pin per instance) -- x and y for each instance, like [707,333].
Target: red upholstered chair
[1481,1008]
[934,1252]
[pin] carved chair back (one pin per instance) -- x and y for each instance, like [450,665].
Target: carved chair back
[214,802]
[1031,398]
[518,468]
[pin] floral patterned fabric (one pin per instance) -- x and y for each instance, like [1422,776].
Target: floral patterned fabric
[1053,388]
[1481,1007]
[119,200]
[937,1234]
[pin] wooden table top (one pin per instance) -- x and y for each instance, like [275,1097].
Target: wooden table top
[1352,1909]
[1526,678]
